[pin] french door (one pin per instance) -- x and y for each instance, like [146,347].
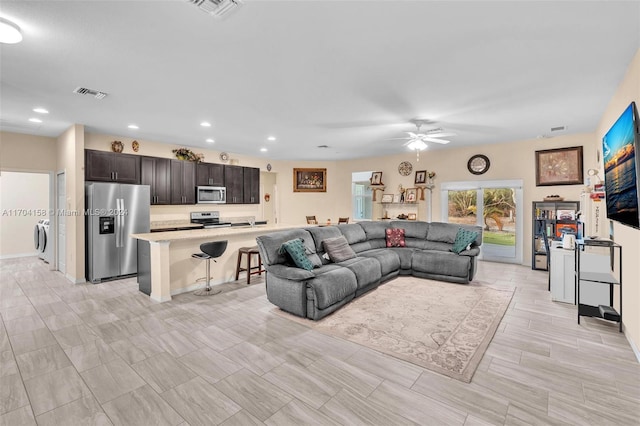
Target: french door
[494,205]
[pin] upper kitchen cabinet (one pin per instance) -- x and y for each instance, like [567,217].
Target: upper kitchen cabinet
[251,185]
[104,166]
[183,182]
[156,172]
[209,174]
[234,182]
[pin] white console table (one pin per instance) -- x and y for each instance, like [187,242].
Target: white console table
[562,275]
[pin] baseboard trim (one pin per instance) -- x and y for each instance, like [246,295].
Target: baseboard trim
[634,348]
[18,255]
[74,280]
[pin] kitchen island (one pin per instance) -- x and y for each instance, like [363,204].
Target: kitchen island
[174,271]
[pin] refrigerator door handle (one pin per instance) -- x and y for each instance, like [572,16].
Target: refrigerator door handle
[117,222]
[121,212]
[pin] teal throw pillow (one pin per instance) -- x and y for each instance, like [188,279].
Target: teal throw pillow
[295,249]
[463,240]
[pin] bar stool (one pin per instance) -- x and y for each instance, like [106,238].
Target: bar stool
[249,251]
[209,252]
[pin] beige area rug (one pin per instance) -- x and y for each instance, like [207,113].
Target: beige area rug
[443,327]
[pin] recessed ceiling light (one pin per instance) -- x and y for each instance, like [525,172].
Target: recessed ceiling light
[263,149]
[133,126]
[271,138]
[210,140]
[40,110]
[9,32]
[35,120]
[205,124]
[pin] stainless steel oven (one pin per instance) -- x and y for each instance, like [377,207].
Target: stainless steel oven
[211,195]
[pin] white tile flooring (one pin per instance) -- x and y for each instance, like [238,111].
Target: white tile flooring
[105,354]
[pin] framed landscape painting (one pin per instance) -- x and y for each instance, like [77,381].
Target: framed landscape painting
[309,180]
[562,166]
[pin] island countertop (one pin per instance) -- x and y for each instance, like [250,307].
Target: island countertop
[194,234]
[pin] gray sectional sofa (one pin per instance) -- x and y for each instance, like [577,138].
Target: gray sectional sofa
[318,292]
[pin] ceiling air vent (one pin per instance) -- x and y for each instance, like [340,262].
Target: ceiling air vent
[558,128]
[217,8]
[95,93]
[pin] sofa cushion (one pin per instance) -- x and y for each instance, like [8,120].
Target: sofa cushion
[296,250]
[441,263]
[443,232]
[412,228]
[388,259]
[321,233]
[438,246]
[333,286]
[290,273]
[405,255]
[366,270]
[463,241]
[395,237]
[374,230]
[358,247]
[353,233]
[338,249]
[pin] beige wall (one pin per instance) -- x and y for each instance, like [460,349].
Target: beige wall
[19,152]
[24,199]
[629,238]
[70,159]
[514,160]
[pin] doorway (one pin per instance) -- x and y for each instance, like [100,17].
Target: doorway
[497,207]
[60,219]
[361,196]
[268,197]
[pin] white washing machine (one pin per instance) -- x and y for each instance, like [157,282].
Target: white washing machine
[38,235]
[46,246]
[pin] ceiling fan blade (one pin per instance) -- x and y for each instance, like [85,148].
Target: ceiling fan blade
[413,135]
[442,141]
[398,139]
[440,135]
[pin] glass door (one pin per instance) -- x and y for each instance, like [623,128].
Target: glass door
[499,214]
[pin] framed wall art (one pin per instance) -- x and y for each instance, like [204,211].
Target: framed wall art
[376,178]
[309,180]
[411,195]
[561,166]
[387,198]
[421,177]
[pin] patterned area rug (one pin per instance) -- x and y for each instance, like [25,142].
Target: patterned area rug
[443,327]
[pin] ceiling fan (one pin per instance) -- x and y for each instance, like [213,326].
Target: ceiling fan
[417,141]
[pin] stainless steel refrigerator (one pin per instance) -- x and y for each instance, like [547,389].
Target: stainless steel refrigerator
[114,211]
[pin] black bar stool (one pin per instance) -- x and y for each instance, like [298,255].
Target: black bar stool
[251,270]
[209,252]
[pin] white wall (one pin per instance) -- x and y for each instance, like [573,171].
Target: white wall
[24,199]
[627,237]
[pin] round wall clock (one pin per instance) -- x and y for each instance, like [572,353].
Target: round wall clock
[405,168]
[268,167]
[224,157]
[478,164]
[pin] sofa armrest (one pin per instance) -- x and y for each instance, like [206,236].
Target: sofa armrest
[290,272]
[474,251]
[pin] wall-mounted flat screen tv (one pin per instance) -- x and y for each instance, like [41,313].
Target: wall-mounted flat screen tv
[620,149]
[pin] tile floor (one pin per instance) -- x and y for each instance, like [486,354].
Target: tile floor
[105,354]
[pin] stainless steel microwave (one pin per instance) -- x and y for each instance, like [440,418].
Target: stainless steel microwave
[211,195]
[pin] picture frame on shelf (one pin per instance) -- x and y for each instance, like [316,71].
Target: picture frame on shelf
[421,177]
[412,216]
[561,166]
[309,180]
[387,198]
[397,198]
[411,195]
[376,178]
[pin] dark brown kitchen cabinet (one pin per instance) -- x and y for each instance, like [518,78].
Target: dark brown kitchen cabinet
[183,182]
[234,182]
[251,180]
[209,174]
[103,166]
[156,172]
